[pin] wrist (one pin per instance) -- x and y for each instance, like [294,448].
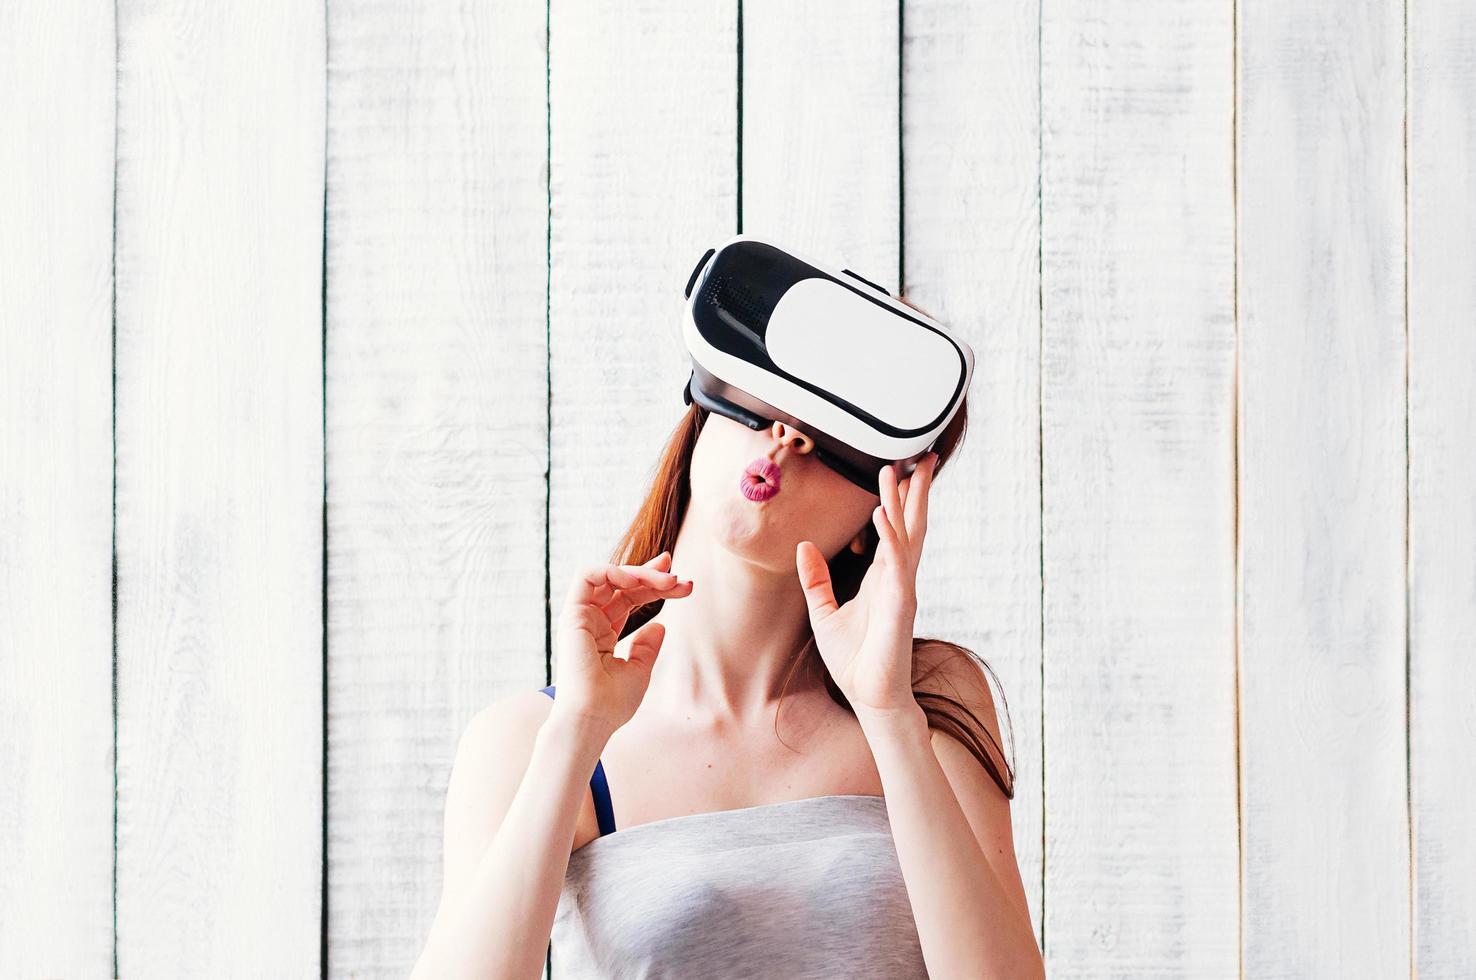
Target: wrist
[904,720]
[571,728]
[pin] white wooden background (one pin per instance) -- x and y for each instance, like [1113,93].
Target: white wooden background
[332,338]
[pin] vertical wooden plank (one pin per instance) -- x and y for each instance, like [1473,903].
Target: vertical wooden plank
[219,501]
[971,237]
[1137,416]
[219,488]
[820,170]
[643,181]
[56,520]
[1442,472]
[1322,489]
[436,402]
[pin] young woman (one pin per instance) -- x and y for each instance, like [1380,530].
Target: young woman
[788,783]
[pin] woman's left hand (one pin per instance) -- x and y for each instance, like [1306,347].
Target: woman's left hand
[867,643]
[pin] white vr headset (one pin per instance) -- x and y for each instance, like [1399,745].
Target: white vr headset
[776,337]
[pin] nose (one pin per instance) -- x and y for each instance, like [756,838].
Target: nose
[791,437]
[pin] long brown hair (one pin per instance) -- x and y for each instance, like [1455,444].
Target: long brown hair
[655,528]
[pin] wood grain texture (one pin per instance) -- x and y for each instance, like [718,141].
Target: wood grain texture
[820,131]
[219,488]
[1137,416]
[643,181]
[971,235]
[1322,490]
[436,402]
[1210,296]
[56,519]
[1442,482]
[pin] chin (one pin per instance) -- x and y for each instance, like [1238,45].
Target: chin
[747,531]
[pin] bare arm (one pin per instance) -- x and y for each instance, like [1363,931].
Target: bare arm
[521,776]
[968,904]
[511,810]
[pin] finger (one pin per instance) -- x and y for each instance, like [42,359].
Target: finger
[888,549]
[637,576]
[648,584]
[598,584]
[814,576]
[645,644]
[892,504]
[916,505]
[644,585]
[658,563]
[627,599]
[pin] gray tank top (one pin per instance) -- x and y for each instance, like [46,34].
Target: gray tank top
[801,889]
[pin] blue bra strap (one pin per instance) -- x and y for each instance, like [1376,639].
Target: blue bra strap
[604,812]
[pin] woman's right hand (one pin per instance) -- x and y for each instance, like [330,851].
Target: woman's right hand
[594,685]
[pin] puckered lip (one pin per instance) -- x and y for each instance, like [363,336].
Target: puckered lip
[766,469]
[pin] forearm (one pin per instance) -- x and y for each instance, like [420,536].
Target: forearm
[967,925]
[500,926]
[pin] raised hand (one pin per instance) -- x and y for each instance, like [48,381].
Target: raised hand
[867,643]
[593,683]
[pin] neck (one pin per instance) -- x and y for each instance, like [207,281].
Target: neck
[730,644]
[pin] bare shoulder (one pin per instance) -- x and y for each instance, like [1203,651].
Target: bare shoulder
[513,717]
[492,755]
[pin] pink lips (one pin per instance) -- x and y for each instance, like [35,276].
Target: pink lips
[760,480]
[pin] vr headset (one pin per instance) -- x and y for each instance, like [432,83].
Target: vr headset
[777,337]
